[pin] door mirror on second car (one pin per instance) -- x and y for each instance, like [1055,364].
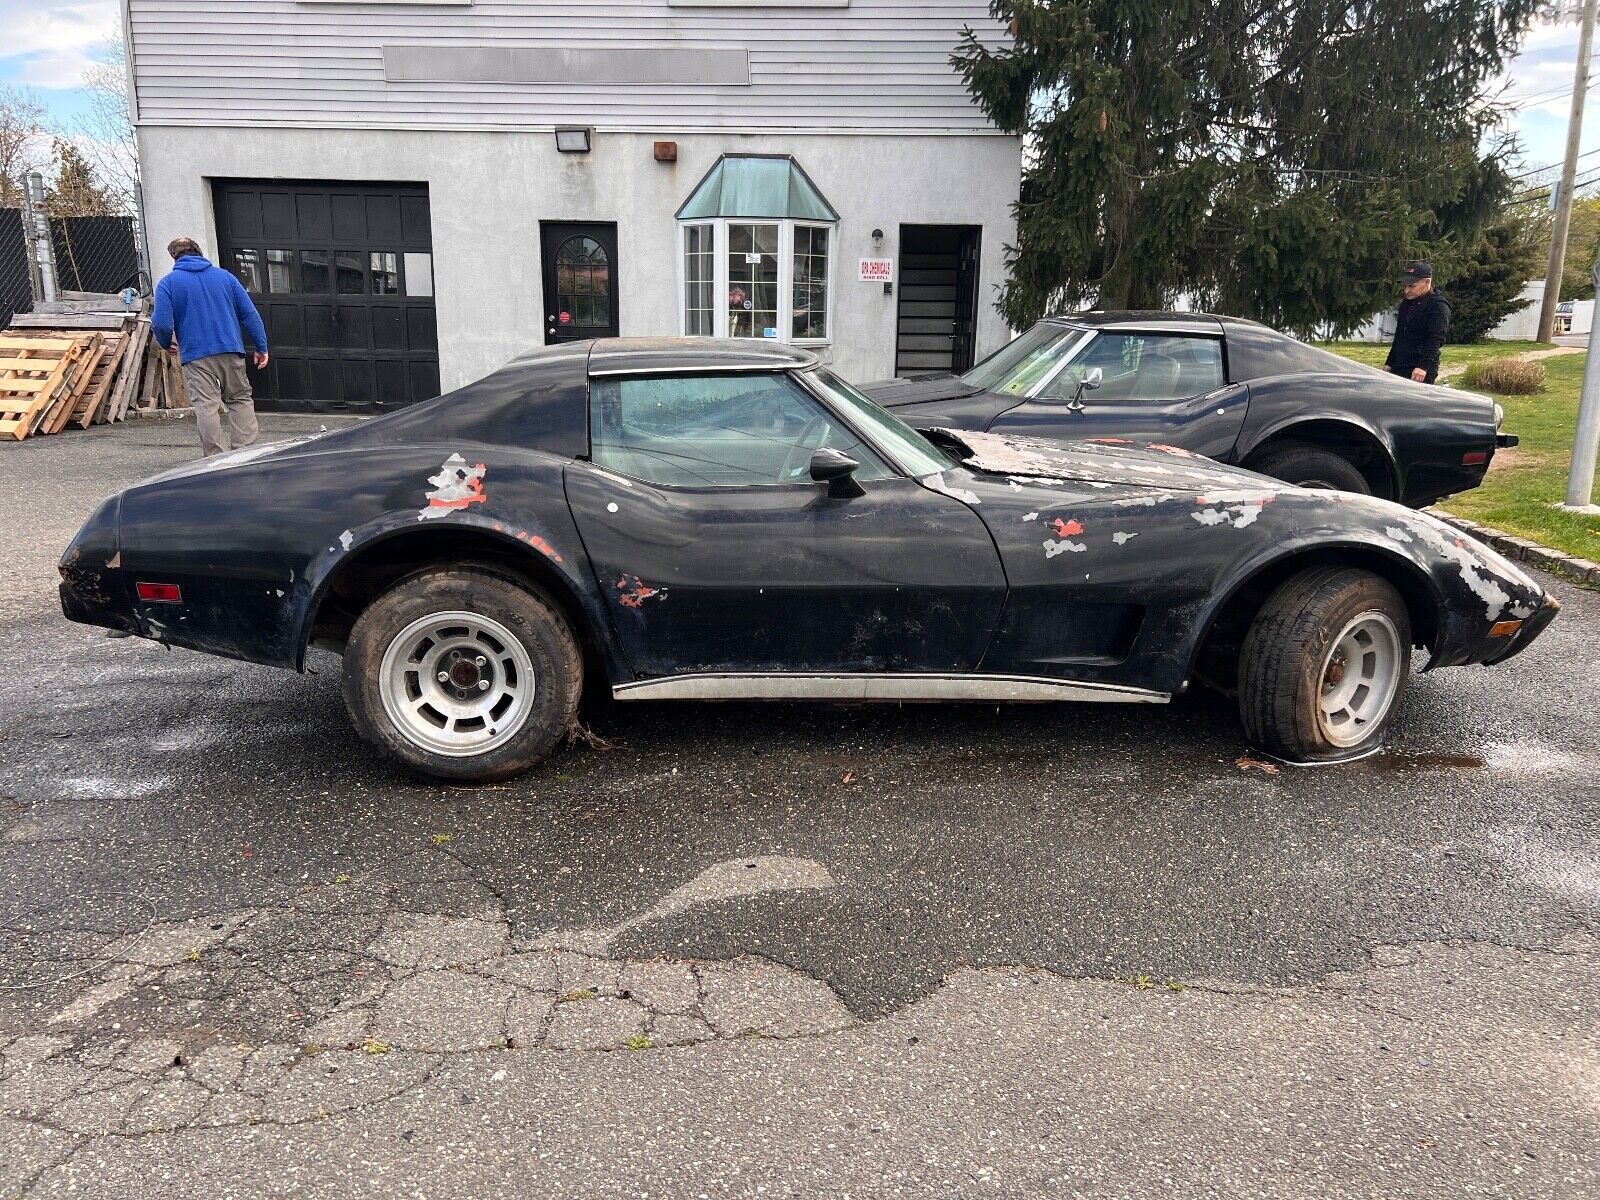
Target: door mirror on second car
[831,467]
[1091,380]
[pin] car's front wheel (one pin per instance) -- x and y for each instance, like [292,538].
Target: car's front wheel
[462,674]
[1324,666]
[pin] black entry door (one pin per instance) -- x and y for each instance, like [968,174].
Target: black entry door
[580,281]
[938,308]
[342,274]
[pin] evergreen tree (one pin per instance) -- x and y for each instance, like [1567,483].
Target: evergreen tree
[76,190]
[1278,159]
[1483,290]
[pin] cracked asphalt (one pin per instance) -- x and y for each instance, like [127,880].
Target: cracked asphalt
[784,950]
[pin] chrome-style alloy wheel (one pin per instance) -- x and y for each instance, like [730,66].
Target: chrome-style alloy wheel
[1360,677]
[456,683]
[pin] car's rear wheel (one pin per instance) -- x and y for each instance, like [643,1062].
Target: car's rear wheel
[1324,666]
[1311,467]
[462,674]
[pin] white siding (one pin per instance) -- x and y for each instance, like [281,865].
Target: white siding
[874,66]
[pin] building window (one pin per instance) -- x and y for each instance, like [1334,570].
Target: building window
[752,280]
[699,281]
[757,279]
[280,271]
[757,252]
[809,306]
[247,266]
[385,272]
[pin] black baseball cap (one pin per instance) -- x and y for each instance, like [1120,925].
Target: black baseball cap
[1416,271]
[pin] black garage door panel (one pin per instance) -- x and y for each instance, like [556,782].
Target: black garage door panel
[343,276]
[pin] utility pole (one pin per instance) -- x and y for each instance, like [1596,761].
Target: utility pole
[1586,441]
[1569,173]
[44,251]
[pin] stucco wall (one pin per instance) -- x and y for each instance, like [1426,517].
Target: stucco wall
[489,191]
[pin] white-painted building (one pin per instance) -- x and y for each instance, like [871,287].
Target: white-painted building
[417,190]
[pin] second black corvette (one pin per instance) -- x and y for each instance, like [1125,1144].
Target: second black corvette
[1229,389]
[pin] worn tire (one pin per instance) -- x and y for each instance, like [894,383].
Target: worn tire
[1311,466]
[537,623]
[1285,662]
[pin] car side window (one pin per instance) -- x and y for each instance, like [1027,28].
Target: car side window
[1144,366]
[716,431]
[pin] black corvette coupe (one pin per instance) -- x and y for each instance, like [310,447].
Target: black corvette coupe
[712,520]
[1229,389]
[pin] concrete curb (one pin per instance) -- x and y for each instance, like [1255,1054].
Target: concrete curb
[1520,549]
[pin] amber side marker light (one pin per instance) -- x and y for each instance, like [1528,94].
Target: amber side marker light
[1504,628]
[162,593]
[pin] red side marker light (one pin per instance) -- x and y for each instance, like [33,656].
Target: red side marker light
[162,593]
[1504,628]
[1475,459]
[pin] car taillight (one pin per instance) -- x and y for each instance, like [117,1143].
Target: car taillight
[164,593]
[1475,459]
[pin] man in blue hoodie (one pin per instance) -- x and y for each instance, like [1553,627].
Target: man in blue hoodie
[205,306]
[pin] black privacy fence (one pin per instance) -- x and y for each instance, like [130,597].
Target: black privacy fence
[91,254]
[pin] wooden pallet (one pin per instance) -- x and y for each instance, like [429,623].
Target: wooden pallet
[128,379]
[92,397]
[36,375]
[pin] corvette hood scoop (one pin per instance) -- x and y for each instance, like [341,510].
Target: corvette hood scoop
[1107,460]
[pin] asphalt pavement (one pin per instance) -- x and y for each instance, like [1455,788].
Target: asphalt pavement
[776,950]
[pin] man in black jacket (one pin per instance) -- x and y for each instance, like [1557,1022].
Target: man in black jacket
[1422,328]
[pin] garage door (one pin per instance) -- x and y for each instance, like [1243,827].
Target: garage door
[343,276]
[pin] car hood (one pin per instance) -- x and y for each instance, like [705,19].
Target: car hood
[1103,461]
[897,393]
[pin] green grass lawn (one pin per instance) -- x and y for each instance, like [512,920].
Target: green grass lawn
[1373,353]
[1524,484]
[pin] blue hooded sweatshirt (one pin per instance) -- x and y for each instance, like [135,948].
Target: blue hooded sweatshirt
[205,305]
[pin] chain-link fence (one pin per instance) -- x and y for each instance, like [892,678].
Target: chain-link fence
[79,254]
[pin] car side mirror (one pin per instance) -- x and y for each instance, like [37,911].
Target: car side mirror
[831,467]
[1091,380]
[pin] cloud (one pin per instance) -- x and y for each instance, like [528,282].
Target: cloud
[54,69]
[50,47]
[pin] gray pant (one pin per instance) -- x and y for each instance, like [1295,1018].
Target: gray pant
[212,382]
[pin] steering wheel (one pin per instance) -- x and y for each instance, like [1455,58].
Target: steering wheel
[802,450]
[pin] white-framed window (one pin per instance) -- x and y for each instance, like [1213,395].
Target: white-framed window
[757,277]
[699,280]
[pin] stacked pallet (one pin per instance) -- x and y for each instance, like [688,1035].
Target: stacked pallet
[84,360]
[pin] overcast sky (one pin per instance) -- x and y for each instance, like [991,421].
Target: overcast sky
[48,43]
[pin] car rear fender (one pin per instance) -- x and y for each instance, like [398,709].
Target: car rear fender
[395,544]
[1319,428]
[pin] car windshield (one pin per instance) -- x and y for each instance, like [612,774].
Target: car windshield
[915,454]
[1018,366]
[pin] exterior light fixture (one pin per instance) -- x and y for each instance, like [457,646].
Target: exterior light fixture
[877,235]
[573,140]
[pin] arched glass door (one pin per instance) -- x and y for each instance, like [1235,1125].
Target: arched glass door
[580,281]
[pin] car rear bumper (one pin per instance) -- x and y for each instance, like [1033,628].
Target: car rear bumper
[90,606]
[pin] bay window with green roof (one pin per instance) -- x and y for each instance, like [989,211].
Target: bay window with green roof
[757,257]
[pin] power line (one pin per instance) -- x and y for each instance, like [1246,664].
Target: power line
[1552,166]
